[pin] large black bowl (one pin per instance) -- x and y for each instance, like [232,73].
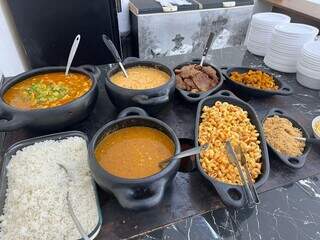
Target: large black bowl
[134,193]
[196,97]
[152,100]
[293,162]
[54,118]
[284,88]
[233,195]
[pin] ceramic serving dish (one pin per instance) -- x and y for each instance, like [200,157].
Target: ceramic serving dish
[233,195]
[50,118]
[196,97]
[293,162]
[284,88]
[140,193]
[151,100]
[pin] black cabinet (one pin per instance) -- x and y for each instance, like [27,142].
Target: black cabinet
[47,29]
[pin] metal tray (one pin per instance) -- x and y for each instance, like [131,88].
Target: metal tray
[22,144]
[233,195]
[293,162]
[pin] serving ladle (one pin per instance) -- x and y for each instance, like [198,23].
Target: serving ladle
[107,41]
[187,153]
[72,52]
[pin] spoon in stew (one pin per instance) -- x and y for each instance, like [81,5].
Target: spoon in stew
[72,52]
[107,41]
[187,153]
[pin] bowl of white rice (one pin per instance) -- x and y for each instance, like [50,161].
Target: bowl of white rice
[33,189]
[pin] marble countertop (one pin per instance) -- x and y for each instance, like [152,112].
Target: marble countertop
[191,209]
[288,212]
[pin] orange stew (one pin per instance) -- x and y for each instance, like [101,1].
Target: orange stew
[47,90]
[134,152]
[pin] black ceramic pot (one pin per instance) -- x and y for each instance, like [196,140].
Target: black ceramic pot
[196,97]
[233,195]
[134,193]
[152,100]
[12,118]
[293,162]
[284,88]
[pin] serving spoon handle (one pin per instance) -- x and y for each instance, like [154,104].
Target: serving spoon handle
[72,52]
[207,47]
[112,48]
[187,153]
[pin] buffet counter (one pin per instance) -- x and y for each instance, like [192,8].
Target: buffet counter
[289,207]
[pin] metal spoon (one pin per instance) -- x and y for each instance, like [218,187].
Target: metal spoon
[72,214]
[207,47]
[107,41]
[308,140]
[72,52]
[187,153]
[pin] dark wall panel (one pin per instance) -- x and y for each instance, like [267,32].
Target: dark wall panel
[47,29]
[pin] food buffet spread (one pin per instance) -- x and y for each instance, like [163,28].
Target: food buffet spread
[51,179]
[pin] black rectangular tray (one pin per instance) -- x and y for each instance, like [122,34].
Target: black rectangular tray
[24,143]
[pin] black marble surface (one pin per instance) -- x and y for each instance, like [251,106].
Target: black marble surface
[190,194]
[290,212]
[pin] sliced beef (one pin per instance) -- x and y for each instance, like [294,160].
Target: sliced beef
[195,78]
[202,81]
[210,71]
[180,83]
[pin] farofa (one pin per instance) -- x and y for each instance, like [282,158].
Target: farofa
[220,123]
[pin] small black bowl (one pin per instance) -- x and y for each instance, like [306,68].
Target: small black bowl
[196,97]
[140,193]
[54,118]
[284,88]
[233,195]
[152,100]
[293,162]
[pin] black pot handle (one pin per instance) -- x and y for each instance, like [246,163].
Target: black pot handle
[130,59]
[132,111]
[146,100]
[95,71]
[10,122]
[225,93]
[285,89]
[127,200]
[193,97]
[231,195]
[276,111]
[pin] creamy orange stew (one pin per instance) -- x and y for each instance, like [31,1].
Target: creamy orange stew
[47,90]
[140,77]
[134,152]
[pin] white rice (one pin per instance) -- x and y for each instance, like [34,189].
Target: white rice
[36,206]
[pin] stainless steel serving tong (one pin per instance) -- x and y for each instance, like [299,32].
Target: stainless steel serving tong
[251,194]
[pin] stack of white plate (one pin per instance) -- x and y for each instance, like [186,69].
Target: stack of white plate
[308,66]
[261,27]
[285,46]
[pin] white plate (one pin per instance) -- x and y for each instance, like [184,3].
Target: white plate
[307,81]
[279,67]
[296,29]
[256,51]
[308,72]
[270,18]
[312,48]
